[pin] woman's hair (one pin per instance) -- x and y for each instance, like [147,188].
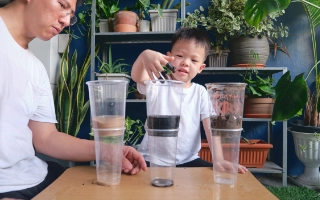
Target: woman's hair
[199,36]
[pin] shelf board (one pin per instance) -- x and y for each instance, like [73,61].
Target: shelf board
[136,100]
[256,119]
[269,167]
[242,70]
[134,37]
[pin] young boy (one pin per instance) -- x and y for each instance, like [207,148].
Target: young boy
[189,50]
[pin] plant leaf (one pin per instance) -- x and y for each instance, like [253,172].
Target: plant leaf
[291,97]
[256,10]
[81,116]
[74,70]
[178,5]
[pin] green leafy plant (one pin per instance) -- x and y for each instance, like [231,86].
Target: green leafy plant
[225,20]
[257,86]
[104,10]
[166,4]
[292,95]
[142,6]
[131,89]
[110,66]
[133,131]
[69,102]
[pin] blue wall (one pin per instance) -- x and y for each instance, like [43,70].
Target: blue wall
[301,60]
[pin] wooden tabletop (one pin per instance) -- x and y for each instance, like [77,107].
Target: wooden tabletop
[190,183]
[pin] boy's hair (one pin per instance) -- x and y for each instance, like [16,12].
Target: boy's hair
[199,36]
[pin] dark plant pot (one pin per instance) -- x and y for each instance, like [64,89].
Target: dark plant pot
[299,126]
[242,48]
[138,95]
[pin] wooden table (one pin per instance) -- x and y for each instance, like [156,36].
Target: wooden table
[190,183]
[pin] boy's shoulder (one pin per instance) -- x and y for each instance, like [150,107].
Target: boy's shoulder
[197,89]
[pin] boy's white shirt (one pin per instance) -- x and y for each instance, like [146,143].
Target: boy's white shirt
[25,95]
[194,108]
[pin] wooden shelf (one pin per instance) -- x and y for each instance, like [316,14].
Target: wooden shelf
[242,70]
[134,37]
[269,167]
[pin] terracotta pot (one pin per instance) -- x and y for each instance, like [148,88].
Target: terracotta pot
[250,155]
[254,154]
[125,28]
[125,17]
[258,107]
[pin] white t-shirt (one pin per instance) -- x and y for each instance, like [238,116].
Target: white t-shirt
[25,94]
[194,108]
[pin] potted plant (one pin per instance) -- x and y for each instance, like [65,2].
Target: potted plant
[142,6]
[218,56]
[226,21]
[112,70]
[104,13]
[164,16]
[252,153]
[296,92]
[259,99]
[125,21]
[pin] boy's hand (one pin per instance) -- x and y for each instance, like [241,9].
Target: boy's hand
[153,61]
[225,165]
[242,169]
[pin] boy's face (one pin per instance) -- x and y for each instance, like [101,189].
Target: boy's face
[188,60]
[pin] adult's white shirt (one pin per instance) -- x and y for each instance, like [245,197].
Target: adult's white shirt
[25,94]
[194,108]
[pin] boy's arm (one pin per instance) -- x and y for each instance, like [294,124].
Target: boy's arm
[214,142]
[148,62]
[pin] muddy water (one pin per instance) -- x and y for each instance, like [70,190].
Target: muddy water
[108,121]
[226,122]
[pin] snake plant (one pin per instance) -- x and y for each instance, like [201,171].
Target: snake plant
[69,102]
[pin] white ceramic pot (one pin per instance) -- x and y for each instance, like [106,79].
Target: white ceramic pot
[144,26]
[103,26]
[307,148]
[168,22]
